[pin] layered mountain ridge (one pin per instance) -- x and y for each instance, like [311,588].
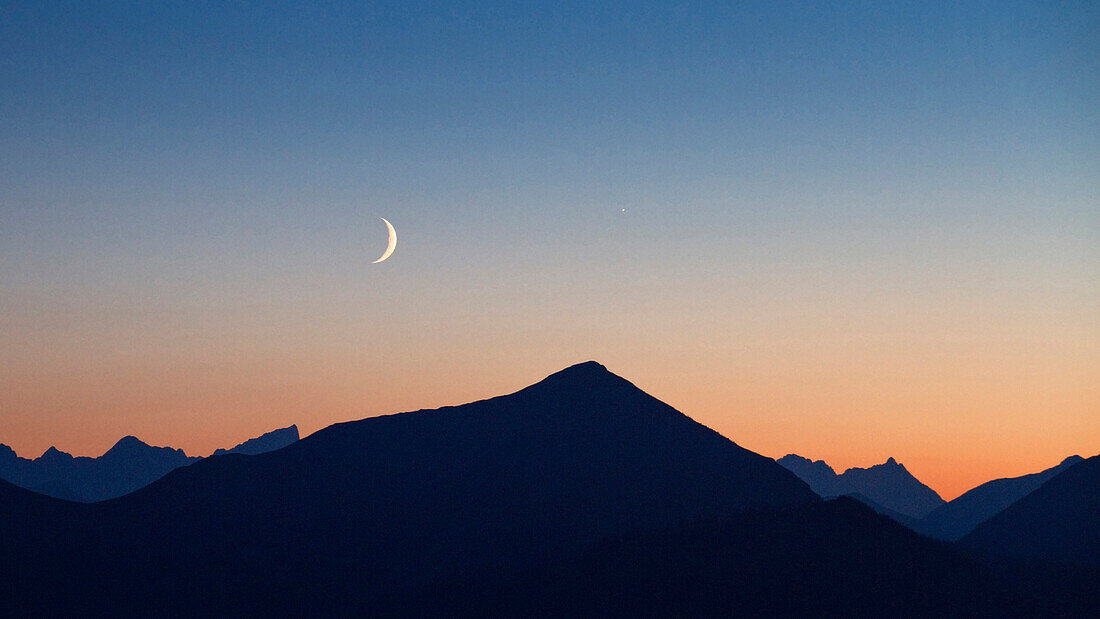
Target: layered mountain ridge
[962,514]
[949,521]
[397,501]
[580,494]
[1057,522]
[889,485]
[128,465]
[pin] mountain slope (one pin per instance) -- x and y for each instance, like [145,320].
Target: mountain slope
[1059,522]
[375,507]
[818,474]
[958,517]
[831,559]
[888,485]
[885,511]
[270,441]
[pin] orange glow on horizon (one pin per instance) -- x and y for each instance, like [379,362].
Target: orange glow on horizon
[202,409]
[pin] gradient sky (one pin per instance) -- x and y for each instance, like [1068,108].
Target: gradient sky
[853,230]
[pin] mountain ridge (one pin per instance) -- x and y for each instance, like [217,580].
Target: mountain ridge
[407,499]
[1058,522]
[126,466]
[579,493]
[268,441]
[954,519]
[889,485]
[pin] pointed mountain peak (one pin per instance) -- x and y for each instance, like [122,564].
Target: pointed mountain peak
[587,376]
[1074,459]
[53,453]
[588,369]
[890,466]
[129,441]
[891,463]
[128,445]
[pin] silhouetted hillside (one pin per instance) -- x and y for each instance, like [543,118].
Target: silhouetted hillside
[888,485]
[578,495]
[130,464]
[908,521]
[958,517]
[832,559]
[384,505]
[276,439]
[1059,522]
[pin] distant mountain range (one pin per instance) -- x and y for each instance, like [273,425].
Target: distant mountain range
[891,490]
[888,485]
[959,516]
[270,441]
[579,495]
[129,465]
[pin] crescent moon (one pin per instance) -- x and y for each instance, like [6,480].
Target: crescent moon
[392,243]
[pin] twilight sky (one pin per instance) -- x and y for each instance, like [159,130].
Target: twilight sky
[851,232]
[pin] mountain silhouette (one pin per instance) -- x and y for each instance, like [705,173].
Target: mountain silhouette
[579,495]
[888,486]
[836,558]
[1059,522]
[370,510]
[128,465]
[908,521]
[959,516]
[821,477]
[270,441]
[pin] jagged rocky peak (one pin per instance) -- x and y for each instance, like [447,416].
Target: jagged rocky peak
[270,441]
[53,453]
[891,463]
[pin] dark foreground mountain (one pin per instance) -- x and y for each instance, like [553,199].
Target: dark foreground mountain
[959,516]
[129,465]
[908,521]
[888,485]
[367,510]
[836,558]
[1047,544]
[579,494]
[1059,522]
